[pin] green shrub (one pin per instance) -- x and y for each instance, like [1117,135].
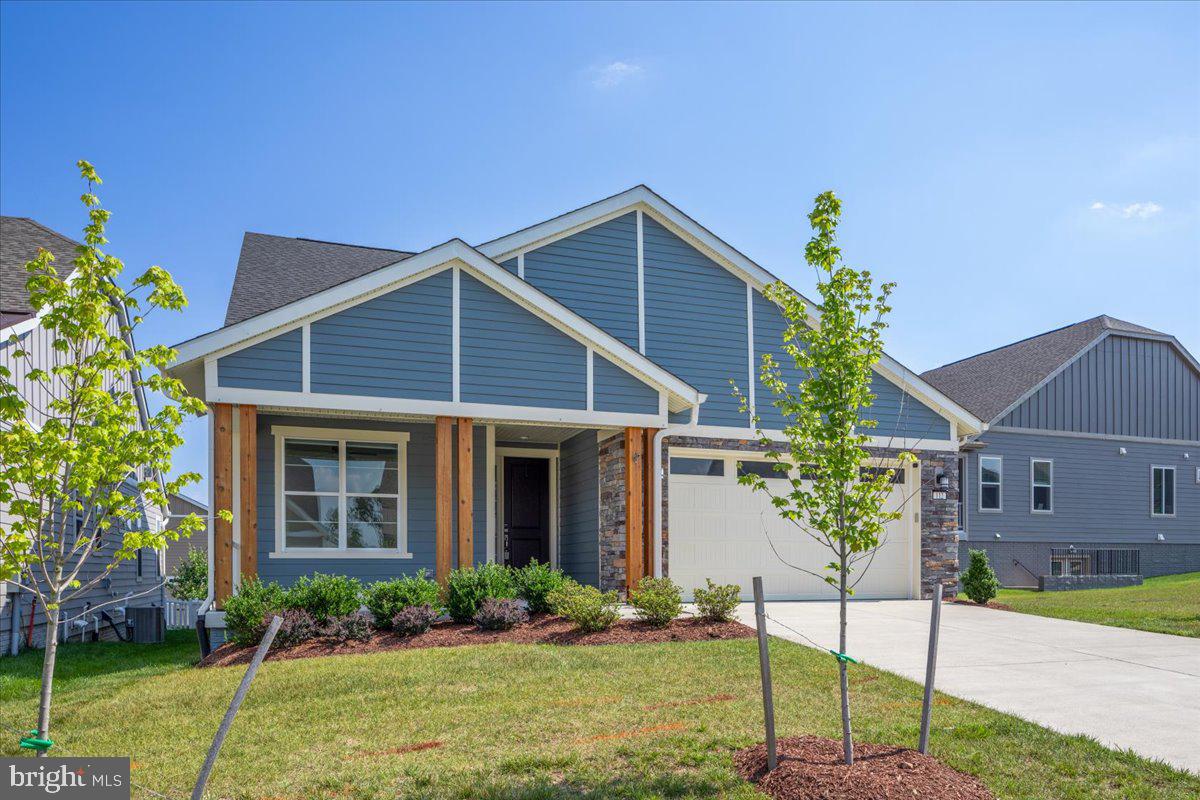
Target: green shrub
[325,596]
[191,576]
[534,582]
[586,606]
[385,599]
[657,601]
[979,581]
[717,602]
[247,608]
[466,588]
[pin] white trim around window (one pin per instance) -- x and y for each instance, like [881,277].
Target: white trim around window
[341,437]
[999,484]
[1035,484]
[1168,509]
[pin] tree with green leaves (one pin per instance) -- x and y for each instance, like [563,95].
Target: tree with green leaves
[73,435]
[829,495]
[190,581]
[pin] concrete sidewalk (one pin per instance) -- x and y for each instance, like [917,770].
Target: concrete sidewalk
[1128,689]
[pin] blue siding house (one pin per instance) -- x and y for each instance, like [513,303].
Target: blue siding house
[560,394]
[1091,460]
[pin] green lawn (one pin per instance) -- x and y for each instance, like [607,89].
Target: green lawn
[1170,604]
[524,722]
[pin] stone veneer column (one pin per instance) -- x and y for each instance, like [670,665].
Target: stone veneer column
[612,514]
[939,524]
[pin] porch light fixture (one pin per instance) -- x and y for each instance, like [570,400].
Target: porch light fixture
[1161,538]
[1122,450]
[942,481]
[997,535]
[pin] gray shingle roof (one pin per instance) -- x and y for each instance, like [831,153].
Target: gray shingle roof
[273,271]
[990,382]
[20,238]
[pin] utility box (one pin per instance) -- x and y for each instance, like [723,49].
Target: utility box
[147,624]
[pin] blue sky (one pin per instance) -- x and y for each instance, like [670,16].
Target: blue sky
[1014,168]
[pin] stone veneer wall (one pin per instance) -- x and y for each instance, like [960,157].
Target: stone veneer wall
[939,515]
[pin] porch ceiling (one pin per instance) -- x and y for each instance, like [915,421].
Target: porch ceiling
[534,434]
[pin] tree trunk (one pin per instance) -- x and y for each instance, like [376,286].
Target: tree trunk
[50,653]
[843,676]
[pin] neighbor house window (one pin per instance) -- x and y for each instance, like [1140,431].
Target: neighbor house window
[991,470]
[341,491]
[1162,491]
[1042,479]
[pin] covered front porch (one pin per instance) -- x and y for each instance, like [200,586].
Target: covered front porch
[379,496]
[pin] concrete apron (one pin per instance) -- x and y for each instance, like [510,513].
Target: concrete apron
[1127,689]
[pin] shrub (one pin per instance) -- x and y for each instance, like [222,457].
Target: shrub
[499,615]
[534,582]
[385,599]
[412,620]
[325,596]
[717,602]
[979,582]
[466,588]
[657,600]
[191,576]
[246,609]
[356,626]
[297,626]
[586,606]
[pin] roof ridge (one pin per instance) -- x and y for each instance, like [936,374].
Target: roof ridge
[51,231]
[1017,342]
[336,244]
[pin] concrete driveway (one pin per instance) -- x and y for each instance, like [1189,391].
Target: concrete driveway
[1128,689]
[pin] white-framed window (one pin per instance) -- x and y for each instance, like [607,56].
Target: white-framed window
[340,493]
[1162,491]
[991,478]
[1041,485]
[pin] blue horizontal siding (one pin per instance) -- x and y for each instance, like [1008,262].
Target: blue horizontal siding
[509,356]
[593,273]
[420,497]
[1099,495]
[579,508]
[898,412]
[614,389]
[275,364]
[1121,387]
[510,265]
[696,323]
[395,345]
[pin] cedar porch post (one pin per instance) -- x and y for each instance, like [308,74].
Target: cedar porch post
[223,501]
[634,506]
[248,489]
[443,469]
[466,495]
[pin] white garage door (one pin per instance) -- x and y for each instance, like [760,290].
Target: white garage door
[722,530]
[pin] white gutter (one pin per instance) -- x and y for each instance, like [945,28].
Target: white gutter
[691,427]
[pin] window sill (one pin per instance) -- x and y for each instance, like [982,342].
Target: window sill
[331,553]
[991,511]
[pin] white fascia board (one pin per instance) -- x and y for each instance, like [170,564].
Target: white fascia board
[415,268]
[890,442]
[319,401]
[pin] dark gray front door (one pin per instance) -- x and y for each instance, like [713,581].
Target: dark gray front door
[527,510]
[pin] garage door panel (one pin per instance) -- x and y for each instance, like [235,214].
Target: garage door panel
[721,530]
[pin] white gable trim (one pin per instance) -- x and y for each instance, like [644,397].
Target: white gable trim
[454,254]
[644,201]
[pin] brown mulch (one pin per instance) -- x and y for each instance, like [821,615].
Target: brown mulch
[541,629]
[811,767]
[963,601]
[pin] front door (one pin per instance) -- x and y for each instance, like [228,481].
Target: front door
[527,510]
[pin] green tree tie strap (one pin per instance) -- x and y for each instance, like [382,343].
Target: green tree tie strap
[31,742]
[843,657]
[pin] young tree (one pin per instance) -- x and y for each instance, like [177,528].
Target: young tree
[190,581]
[830,496]
[72,434]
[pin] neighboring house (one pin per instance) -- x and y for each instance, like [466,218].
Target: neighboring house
[20,239]
[375,412]
[180,505]
[1091,461]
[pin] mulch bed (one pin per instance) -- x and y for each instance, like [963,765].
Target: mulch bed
[964,601]
[541,629]
[810,767]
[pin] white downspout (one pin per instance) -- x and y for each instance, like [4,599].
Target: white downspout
[670,430]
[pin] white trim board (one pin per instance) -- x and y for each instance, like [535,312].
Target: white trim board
[454,254]
[749,434]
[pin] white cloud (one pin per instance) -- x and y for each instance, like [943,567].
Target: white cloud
[1131,211]
[612,75]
